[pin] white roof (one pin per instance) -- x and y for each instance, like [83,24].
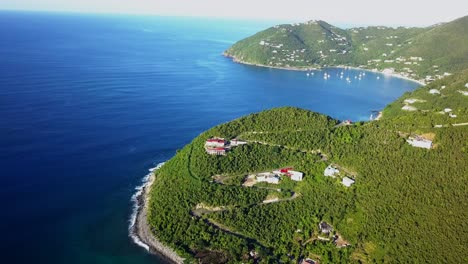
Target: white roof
[330,171]
[347,181]
[419,142]
[409,108]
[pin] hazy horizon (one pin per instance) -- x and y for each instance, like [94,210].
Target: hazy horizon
[355,13]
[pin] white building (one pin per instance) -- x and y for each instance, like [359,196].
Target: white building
[434,91]
[331,171]
[215,142]
[419,142]
[347,181]
[447,110]
[296,175]
[268,177]
[464,92]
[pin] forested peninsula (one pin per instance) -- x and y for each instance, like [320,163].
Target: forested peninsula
[288,185]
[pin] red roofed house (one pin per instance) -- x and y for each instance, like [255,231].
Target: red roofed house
[215,142]
[294,175]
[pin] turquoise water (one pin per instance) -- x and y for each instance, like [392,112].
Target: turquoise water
[89,103]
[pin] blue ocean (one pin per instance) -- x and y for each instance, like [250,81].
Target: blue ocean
[89,103]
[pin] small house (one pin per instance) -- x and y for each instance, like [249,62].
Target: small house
[296,175]
[325,228]
[331,171]
[347,181]
[434,91]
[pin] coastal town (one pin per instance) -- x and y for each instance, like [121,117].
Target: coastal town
[386,50]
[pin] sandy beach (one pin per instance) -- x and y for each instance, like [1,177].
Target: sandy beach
[396,75]
[140,231]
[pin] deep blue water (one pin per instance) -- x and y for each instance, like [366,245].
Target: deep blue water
[88,103]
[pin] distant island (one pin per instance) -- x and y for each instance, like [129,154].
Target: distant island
[288,185]
[422,54]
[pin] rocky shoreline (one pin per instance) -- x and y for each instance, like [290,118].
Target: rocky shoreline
[142,230]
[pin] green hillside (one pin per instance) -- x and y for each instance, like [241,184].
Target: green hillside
[420,53]
[408,204]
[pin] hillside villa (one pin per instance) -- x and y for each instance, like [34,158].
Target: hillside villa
[215,142]
[274,177]
[294,175]
[419,142]
[219,146]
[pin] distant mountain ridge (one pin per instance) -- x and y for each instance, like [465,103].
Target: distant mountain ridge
[425,54]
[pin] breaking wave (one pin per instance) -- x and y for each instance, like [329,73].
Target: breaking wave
[136,207]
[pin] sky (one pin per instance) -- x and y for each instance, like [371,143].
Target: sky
[348,12]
